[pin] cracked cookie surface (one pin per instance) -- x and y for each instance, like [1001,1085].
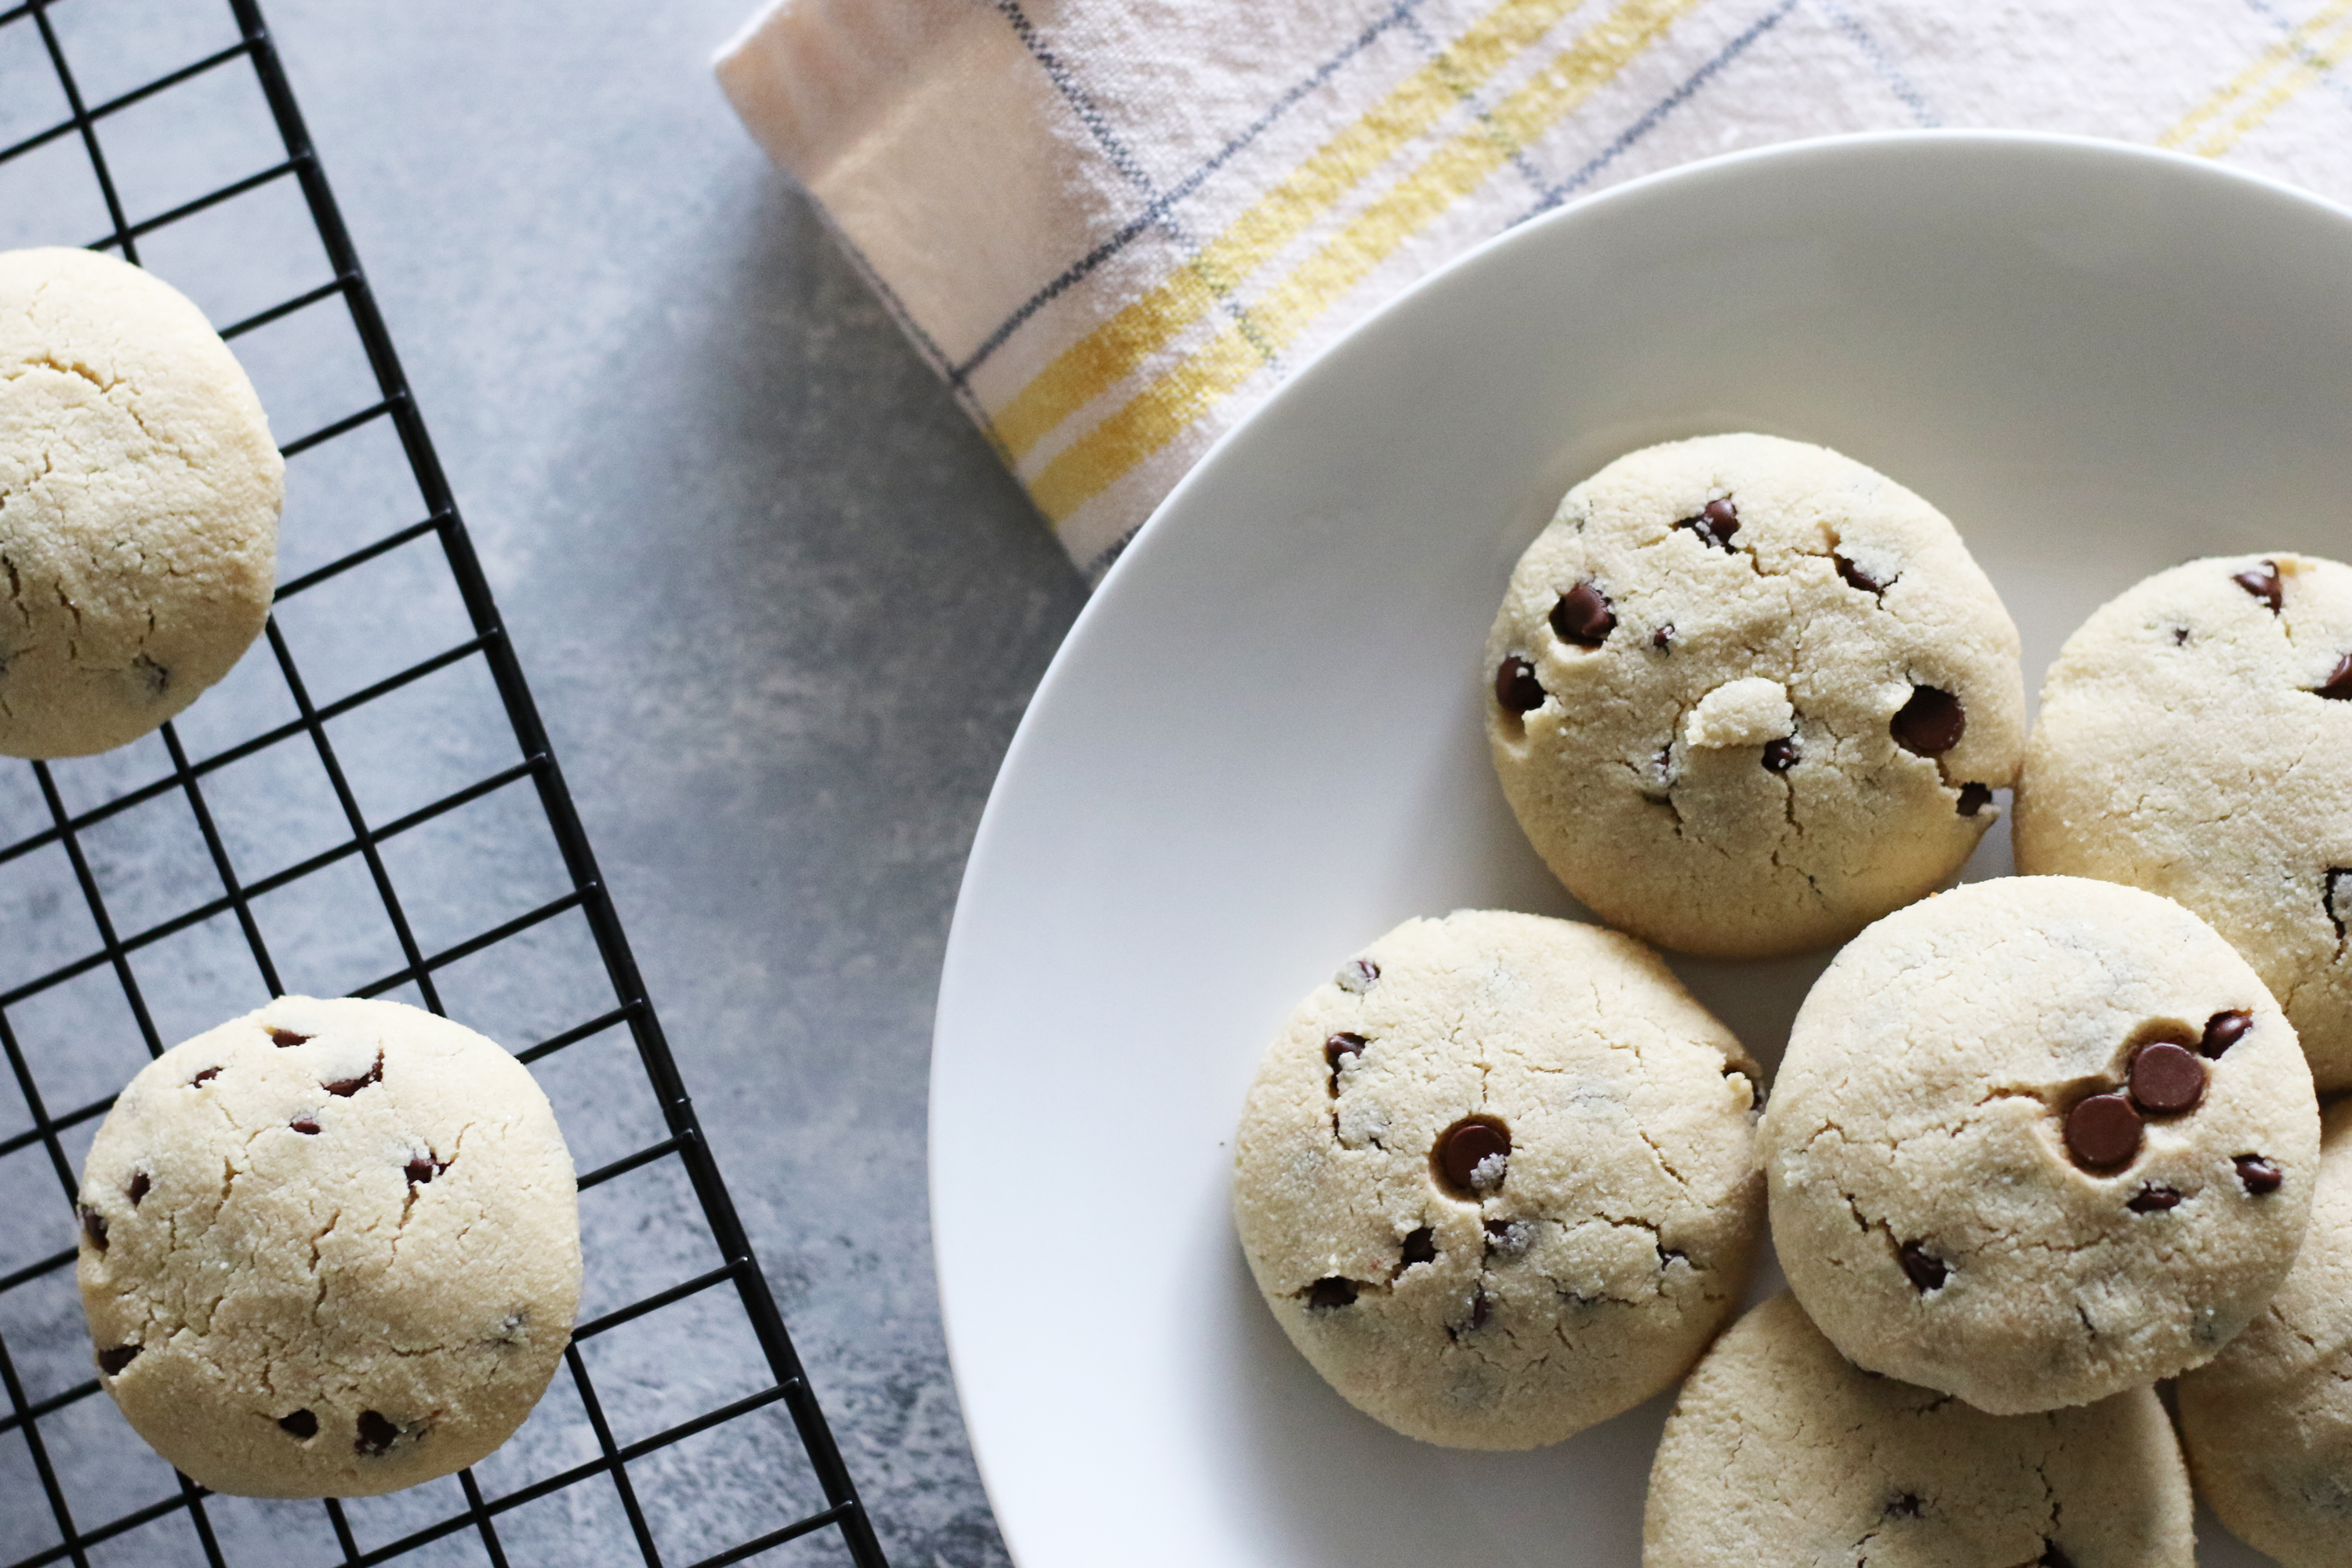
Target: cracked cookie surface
[329,1249]
[139,499]
[2268,1422]
[1496,1178]
[1782,1454]
[2037,1141]
[2196,740]
[1748,695]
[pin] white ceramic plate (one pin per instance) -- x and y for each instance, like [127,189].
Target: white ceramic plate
[1261,746]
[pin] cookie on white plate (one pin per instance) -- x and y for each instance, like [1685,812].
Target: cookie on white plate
[1497,1179]
[2196,740]
[139,498]
[1747,695]
[2038,1141]
[329,1249]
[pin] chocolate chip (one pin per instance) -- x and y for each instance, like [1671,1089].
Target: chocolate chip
[93,1226]
[2155,1200]
[1339,1048]
[2223,1030]
[111,1362]
[1856,577]
[2338,687]
[2167,1079]
[204,1076]
[376,1435]
[424,1168]
[301,1423]
[1664,636]
[2102,1133]
[1515,685]
[139,1186]
[1420,1247]
[1482,1307]
[2262,583]
[1926,1271]
[1716,523]
[1931,723]
[1357,976]
[1974,798]
[305,1126]
[1331,1294]
[1906,1506]
[285,1037]
[348,1087]
[1779,756]
[1582,616]
[2260,1175]
[1465,1147]
[2332,898]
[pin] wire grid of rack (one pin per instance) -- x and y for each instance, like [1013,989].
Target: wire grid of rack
[638,1494]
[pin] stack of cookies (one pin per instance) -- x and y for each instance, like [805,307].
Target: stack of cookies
[2036,1145]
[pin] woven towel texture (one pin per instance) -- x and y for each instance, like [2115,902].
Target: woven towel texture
[1114,225]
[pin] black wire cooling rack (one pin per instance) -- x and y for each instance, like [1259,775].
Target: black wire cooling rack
[305,806]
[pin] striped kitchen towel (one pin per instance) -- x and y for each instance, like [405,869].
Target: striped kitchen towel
[1114,225]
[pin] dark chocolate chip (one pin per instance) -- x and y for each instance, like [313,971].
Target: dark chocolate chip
[204,1076]
[376,1435]
[348,1087]
[2223,1030]
[2335,900]
[1357,976]
[1974,798]
[1664,636]
[305,1126]
[1856,577]
[1515,685]
[2167,1079]
[1339,1048]
[1583,616]
[301,1425]
[1931,723]
[1331,1294]
[2338,687]
[423,1169]
[1779,756]
[1926,1271]
[2154,1199]
[1482,1307]
[2102,1133]
[2262,583]
[138,1188]
[1464,1146]
[2180,637]
[1420,1247]
[2260,1175]
[111,1362]
[1716,523]
[1905,1506]
[93,1226]
[285,1037]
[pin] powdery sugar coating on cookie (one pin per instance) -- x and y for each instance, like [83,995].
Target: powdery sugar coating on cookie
[139,497]
[2269,1421]
[2196,740]
[1782,1454]
[329,1249]
[1990,1172]
[1800,693]
[1506,1187]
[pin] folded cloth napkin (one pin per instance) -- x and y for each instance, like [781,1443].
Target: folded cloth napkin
[1114,225]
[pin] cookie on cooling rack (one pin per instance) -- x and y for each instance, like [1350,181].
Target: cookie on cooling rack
[2038,1141]
[139,497]
[2195,739]
[329,1249]
[1747,695]
[1497,1179]
[1782,1454]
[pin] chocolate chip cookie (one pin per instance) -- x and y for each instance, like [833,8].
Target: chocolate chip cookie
[2038,1141]
[2196,740]
[329,1249]
[2269,1421]
[1782,1454]
[1496,1178]
[1747,695]
[139,497]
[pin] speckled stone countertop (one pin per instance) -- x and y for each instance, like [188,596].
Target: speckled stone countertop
[781,608]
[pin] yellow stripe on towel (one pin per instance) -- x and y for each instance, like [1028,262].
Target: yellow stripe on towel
[2296,60]
[1161,410]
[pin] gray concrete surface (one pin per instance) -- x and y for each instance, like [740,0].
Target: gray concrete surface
[782,610]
